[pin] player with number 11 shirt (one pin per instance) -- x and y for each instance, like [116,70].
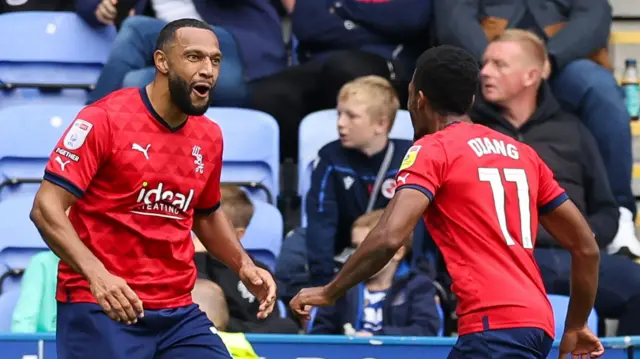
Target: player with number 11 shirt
[482,195]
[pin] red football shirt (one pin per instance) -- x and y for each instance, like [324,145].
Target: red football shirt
[138,182]
[486,192]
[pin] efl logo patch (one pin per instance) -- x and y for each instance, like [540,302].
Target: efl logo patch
[410,157]
[77,134]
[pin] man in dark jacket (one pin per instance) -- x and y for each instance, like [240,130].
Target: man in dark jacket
[576,34]
[339,41]
[243,306]
[346,171]
[395,301]
[516,102]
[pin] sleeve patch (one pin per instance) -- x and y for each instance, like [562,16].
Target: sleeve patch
[77,134]
[410,157]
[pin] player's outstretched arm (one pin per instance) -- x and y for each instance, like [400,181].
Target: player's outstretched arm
[567,225]
[397,222]
[49,216]
[217,235]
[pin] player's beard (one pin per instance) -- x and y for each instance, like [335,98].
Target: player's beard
[180,92]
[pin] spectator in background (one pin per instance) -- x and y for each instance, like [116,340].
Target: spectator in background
[210,298]
[254,24]
[395,301]
[35,311]
[338,42]
[516,102]
[243,306]
[353,175]
[576,33]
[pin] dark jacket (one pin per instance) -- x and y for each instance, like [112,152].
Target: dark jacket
[261,45]
[340,188]
[243,306]
[409,308]
[570,151]
[393,29]
[573,29]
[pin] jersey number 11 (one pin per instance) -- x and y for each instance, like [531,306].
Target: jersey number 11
[519,177]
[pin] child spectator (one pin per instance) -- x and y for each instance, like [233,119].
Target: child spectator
[353,175]
[395,301]
[243,306]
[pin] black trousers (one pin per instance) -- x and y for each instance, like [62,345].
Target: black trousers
[300,90]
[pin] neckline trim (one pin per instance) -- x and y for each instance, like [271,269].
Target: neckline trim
[154,113]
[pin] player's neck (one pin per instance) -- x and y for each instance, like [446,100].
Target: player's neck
[376,146]
[519,110]
[447,120]
[160,99]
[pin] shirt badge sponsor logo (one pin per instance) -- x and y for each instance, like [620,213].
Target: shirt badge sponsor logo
[348,182]
[159,202]
[403,178]
[72,156]
[77,134]
[410,157]
[388,188]
[195,152]
[62,163]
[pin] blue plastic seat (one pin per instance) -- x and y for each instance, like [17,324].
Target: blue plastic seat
[8,303]
[251,149]
[29,134]
[318,129]
[263,237]
[19,237]
[560,304]
[56,48]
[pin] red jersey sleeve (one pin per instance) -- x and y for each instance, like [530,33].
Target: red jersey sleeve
[209,200]
[550,194]
[423,167]
[80,152]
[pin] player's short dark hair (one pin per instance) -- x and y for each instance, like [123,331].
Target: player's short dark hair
[448,76]
[236,205]
[168,32]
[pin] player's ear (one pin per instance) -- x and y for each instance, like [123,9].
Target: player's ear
[422,99]
[161,61]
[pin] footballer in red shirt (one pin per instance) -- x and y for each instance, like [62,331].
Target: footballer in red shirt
[482,196]
[139,170]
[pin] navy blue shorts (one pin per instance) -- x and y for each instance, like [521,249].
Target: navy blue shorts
[85,331]
[516,343]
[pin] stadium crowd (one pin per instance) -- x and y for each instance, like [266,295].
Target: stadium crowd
[548,84]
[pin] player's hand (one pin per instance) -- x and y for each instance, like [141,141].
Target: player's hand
[117,299]
[580,342]
[106,11]
[308,298]
[261,284]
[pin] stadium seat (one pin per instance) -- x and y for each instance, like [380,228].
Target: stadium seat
[51,48]
[251,149]
[19,238]
[7,305]
[263,237]
[28,136]
[318,129]
[560,304]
